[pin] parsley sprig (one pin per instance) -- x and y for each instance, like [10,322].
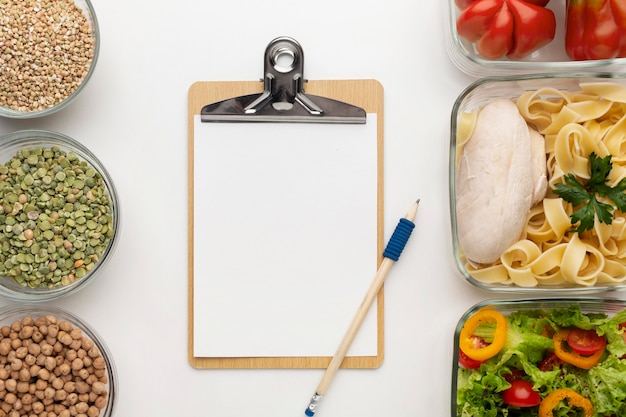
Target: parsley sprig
[584,195]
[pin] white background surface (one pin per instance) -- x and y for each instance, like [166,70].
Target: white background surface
[133,116]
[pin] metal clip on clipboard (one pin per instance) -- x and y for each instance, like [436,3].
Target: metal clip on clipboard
[283,98]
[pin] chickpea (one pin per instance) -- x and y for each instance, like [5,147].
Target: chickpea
[49,392]
[30,360]
[24,375]
[5,347]
[5,331]
[50,363]
[34,349]
[57,383]
[10,385]
[26,332]
[16,364]
[60,395]
[98,387]
[27,399]
[22,387]
[38,407]
[69,386]
[93,411]
[53,330]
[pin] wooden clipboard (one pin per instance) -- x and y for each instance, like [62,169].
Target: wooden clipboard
[367,94]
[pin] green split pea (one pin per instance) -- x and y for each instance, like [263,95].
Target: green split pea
[55,218]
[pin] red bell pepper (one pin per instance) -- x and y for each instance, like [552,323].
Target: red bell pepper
[595,29]
[512,28]
[462,4]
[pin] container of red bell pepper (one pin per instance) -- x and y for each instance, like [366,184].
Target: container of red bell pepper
[595,29]
[514,29]
[506,28]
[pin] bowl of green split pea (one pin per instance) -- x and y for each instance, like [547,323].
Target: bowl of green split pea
[59,216]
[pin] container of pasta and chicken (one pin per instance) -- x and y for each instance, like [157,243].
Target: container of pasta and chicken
[537,166]
[540,357]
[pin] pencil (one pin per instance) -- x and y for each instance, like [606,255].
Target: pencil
[392,252]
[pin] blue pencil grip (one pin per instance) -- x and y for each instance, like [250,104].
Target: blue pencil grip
[398,239]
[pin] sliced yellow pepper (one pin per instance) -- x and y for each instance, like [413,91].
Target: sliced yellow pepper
[467,341]
[573,399]
[584,362]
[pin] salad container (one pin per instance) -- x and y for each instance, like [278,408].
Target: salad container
[597,266]
[527,373]
[551,57]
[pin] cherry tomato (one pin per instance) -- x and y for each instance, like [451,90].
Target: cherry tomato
[521,394]
[467,362]
[585,342]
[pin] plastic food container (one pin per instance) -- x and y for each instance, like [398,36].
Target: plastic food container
[609,273]
[71,347]
[59,218]
[537,352]
[550,58]
[40,80]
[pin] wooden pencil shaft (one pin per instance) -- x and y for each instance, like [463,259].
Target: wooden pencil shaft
[394,248]
[360,315]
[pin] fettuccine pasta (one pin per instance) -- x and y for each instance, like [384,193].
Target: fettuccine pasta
[574,125]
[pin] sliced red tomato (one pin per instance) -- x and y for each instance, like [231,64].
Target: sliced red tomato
[521,394]
[585,342]
[467,362]
[550,362]
[514,375]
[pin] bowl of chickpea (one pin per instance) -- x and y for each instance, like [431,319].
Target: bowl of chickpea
[53,364]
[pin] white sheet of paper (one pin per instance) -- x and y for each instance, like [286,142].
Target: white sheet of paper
[285,220]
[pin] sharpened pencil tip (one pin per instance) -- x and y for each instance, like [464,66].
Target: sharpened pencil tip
[412,213]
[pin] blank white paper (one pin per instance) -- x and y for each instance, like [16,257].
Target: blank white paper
[285,243]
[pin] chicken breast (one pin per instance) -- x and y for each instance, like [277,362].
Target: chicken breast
[539,167]
[494,183]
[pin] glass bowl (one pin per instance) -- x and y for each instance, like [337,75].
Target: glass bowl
[59,218]
[49,77]
[62,353]
[538,262]
[550,58]
[530,341]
